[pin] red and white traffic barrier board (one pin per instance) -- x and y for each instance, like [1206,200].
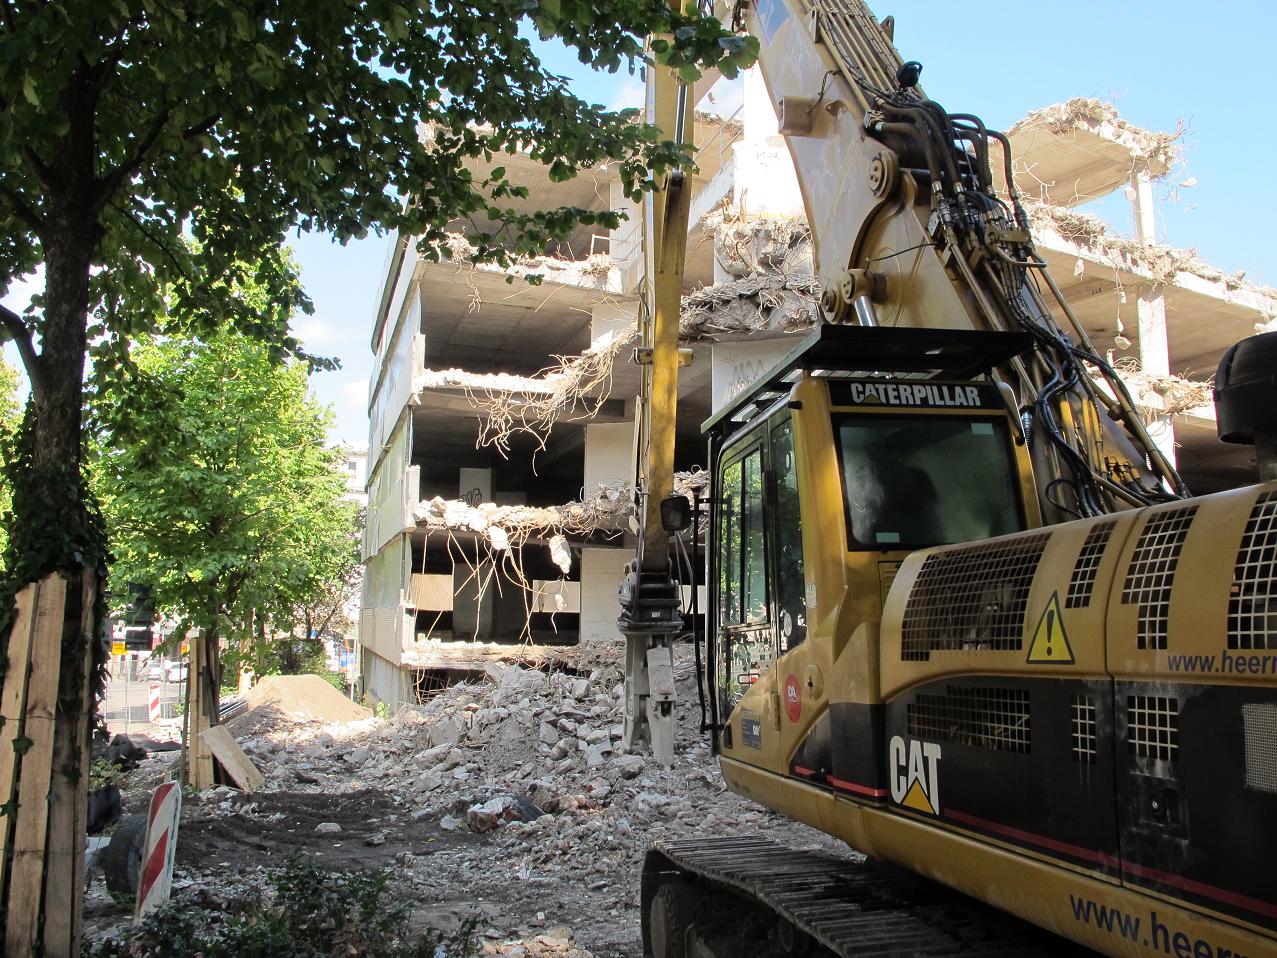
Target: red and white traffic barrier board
[159,848]
[153,702]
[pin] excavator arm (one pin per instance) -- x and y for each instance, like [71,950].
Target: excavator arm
[916,223]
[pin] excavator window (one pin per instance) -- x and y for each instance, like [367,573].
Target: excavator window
[742,544]
[916,481]
[787,532]
[745,625]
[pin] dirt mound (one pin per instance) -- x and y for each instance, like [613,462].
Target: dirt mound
[304,698]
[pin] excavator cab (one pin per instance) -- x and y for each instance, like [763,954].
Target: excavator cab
[878,441]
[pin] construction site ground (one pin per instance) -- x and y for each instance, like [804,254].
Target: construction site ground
[504,799]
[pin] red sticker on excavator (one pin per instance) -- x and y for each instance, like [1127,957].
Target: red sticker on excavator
[793,699]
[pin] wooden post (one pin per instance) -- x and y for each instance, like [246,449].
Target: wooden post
[35,772]
[68,802]
[199,760]
[12,709]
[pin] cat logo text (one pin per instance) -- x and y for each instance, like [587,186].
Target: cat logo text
[914,770]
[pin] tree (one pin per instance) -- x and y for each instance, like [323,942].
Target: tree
[225,502]
[128,126]
[125,126]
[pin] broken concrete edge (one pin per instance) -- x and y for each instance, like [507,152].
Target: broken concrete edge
[575,387]
[507,526]
[1088,236]
[596,271]
[1152,152]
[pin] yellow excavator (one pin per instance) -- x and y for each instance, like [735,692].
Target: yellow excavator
[964,616]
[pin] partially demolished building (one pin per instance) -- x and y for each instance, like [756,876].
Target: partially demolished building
[502,413]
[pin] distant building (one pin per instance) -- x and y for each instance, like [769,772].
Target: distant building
[354,463]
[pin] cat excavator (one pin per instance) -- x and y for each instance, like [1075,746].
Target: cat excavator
[963,614]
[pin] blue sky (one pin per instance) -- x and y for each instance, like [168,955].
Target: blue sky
[1160,64]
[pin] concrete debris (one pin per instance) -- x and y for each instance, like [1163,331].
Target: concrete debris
[504,527]
[1160,262]
[560,553]
[595,271]
[485,382]
[1163,395]
[1150,151]
[769,301]
[748,245]
[504,799]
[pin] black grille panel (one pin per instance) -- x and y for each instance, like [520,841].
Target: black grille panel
[1252,608]
[1085,739]
[985,717]
[1152,573]
[971,598]
[1088,563]
[1153,726]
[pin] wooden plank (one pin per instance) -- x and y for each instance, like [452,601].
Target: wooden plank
[31,825]
[199,758]
[12,703]
[238,765]
[68,807]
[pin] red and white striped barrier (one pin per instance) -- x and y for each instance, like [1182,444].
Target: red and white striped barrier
[159,849]
[153,703]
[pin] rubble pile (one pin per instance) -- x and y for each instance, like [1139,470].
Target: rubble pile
[506,798]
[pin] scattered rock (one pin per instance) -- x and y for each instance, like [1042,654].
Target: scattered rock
[328,828]
[630,766]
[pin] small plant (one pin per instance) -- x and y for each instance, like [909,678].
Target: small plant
[309,913]
[102,773]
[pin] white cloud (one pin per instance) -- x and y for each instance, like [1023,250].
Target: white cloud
[628,95]
[355,393]
[315,333]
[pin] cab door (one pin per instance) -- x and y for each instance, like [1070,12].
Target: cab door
[745,626]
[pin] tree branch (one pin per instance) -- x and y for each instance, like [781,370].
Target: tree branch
[43,172]
[21,333]
[201,128]
[159,245]
[23,211]
[107,185]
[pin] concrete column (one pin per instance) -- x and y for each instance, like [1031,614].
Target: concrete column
[601,571]
[1155,353]
[474,485]
[765,183]
[758,112]
[1155,360]
[609,318]
[627,237]
[735,365]
[1144,208]
[609,454]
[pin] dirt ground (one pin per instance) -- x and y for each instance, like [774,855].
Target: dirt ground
[506,800]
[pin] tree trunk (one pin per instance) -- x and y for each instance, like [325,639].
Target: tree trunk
[55,529]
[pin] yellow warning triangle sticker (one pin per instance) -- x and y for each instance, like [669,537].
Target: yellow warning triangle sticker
[1050,645]
[917,799]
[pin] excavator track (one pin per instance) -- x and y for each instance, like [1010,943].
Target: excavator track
[749,895]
